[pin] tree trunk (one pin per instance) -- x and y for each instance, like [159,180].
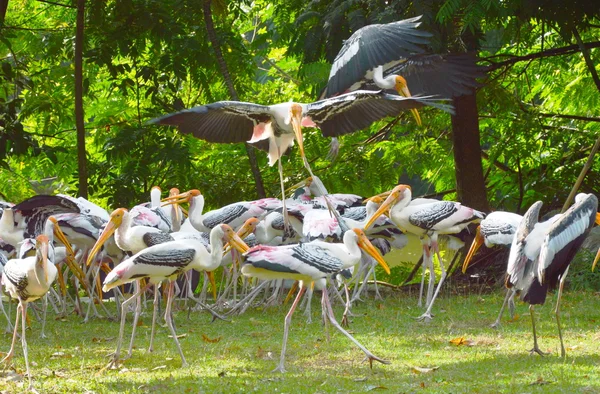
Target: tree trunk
[3,9]
[470,183]
[212,36]
[79,125]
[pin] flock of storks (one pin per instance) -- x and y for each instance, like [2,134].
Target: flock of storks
[313,237]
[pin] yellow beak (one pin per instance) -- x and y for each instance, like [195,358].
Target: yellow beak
[367,246]
[477,242]
[296,120]
[108,231]
[383,208]
[402,90]
[596,260]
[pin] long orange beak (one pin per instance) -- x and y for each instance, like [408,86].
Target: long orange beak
[180,198]
[303,183]
[598,218]
[383,209]
[173,192]
[296,121]
[41,243]
[402,89]
[108,231]
[238,243]
[247,228]
[367,246]
[596,260]
[477,242]
[213,283]
[58,233]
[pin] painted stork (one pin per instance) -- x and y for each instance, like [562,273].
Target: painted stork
[27,280]
[233,214]
[427,220]
[540,254]
[28,218]
[280,124]
[498,228]
[310,262]
[167,261]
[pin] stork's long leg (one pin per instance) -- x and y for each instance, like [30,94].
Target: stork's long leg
[45,307]
[431,283]
[169,321]
[286,219]
[286,328]
[557,311]
[24,341]
[370,356]
[427,316]
[136,317]
[11,352]
[154,314]
[124,307]
[424,244]
[535,344]
[8,323]
[510,293]
[244,303]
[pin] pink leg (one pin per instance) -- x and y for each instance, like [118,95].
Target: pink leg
[11,352]
[286,328]
[154,313]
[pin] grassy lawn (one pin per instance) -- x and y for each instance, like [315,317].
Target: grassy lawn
[492,361]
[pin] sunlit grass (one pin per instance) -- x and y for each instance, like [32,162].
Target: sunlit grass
[249,345]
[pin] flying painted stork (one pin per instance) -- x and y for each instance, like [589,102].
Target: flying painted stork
[280,124]
[427,220]
[540,254]
[498,228]
[165,262]
[233,214]
[27,280]
[310,262]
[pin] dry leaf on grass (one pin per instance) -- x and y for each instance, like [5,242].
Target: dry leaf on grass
[98,340]
[159,367]
[423,369]
[207,339]
[373,387]
[10,376]
[363,379]
[264,354]
[540,381]
[461,341]
[179,336]
[61,355]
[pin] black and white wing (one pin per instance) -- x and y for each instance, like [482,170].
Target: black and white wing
[39,208]
[156,238]
[444,76]
[357,110]
[519,265]
[565,237]
[373,46]
[223,121]
[432,214]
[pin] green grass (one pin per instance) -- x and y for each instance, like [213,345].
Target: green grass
[242,360]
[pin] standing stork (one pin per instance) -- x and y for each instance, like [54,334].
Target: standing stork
[310,262]
[498,228]
[280,124]
[167,261]
[427,221]
[540,254]
[27,280]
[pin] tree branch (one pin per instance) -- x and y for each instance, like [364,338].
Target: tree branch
[538,55]
[58,4]
[573,117]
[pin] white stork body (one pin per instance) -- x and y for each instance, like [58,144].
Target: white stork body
[427,220]
[167,261]
[309,262]
[541,253]
[27,280]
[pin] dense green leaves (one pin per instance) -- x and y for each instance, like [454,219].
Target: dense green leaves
[144,58]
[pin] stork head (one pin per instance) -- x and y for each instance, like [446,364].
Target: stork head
[366,245]
[401,193]
[116,218]
[477,242]
[234,240]
[402,89]
[296,121]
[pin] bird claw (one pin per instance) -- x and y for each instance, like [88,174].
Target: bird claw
[425,317]
[280,368]
[495,325]
[372,357]
[538,351]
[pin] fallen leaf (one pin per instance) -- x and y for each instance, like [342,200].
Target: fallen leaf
[422,385]
[423,369]
[169,358]
[61,355]
[540,381]
[264,354]
[372,387]
[159,367]
[179,336]
[221,374]
[380,306]
[461,341]
[10,376]
[207,339]
[363,379]
[98,340]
